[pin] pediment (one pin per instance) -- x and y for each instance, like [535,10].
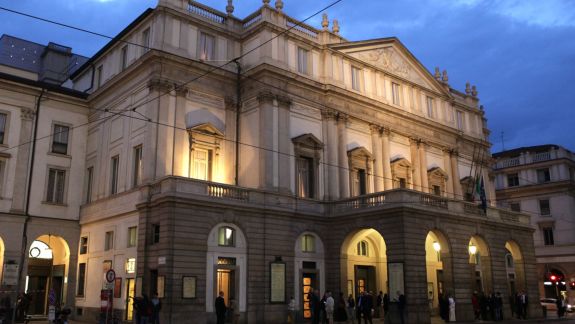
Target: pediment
[393,57]
[401,161]
[308,140]
[359,152]
[207,129]
[437,172]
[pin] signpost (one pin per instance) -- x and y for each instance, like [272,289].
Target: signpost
[107,295]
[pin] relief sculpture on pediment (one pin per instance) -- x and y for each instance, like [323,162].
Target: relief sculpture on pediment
[391,61]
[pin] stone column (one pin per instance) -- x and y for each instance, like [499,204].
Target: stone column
[386,159]
[331,146]
[268,112]
[165,146]
[377,162]
[423,167]
[23,160]
[448,170]
[416,172]
[458,193]
[342,156]
[284,144]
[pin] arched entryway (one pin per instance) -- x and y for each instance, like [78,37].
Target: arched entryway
[438,269]
[47,273]
[555,283]
[309,269]
[514,268]
[480,265]
[226,265]
[364,263]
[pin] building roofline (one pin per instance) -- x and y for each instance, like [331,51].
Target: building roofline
[535,148]
[45,85]
[112,42]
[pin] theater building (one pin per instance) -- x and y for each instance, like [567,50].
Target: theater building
[306,161]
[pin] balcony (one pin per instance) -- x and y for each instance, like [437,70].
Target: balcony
[224,194]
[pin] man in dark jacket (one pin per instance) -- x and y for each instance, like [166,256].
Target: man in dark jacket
[221,308]
[367,305]
[401,306]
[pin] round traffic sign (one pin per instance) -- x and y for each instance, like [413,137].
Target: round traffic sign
[110,276]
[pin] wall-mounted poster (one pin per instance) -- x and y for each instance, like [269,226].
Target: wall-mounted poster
[118,288]
[278,282]
[189,287]
[395,277]
[161,285]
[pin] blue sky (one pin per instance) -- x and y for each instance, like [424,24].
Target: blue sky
[519,53]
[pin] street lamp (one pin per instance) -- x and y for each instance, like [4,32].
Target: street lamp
[436,246]
[472,249]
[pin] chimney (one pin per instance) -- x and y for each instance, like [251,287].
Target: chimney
[55,64]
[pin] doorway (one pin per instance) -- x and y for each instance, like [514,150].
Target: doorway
[130,294]
[309,281]
[365,279]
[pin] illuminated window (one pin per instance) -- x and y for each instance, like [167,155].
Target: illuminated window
[131,265]
[202,164]
[308,243]
[362,248]
[226,236]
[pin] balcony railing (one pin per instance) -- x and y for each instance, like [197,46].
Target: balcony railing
[206,12]
[301,28]
[252,19]
[204,190]
[544,156]
[510,163]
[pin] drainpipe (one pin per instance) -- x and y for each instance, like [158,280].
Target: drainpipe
[238,108]
[27,207]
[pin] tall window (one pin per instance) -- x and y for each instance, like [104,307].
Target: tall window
[544,207]
[202,164]
[109,241]
[543,175]
[146,39]
[3,118]
[115,164]
[355,78]
[459,119]
[89,181]
[226,236]
[548,236]
[81,279]
[362,248]
[305,177]
[513,180]
[155,233]
[99,76]
[436,190]
[60,139]
[429,102]
[359,182]
[132,236]
[402,183]
[137,176]
[308,243]
[83,245]
[395,93]
[302,55]
[124,57]
[207,47]
[56,186]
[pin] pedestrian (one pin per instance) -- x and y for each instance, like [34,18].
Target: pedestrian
[359,306]
[451,308]
[351,308]
[156,307]
[378,304]
[329,307]
[524,304]
[401,306]
[322,303]
[386,317]
[498,307]
[146,307]
[221,308]
[315,307]
[443,307]
[475,303]
[367,307]
[291,311]
[512,306]
[340,314]
[234,311]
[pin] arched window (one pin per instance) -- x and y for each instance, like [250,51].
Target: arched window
[362,248]
[40,250]
[509,261]
[226,236]
[308,243]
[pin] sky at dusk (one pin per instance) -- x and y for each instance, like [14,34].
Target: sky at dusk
[519,53]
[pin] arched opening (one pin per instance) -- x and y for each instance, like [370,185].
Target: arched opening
[439,275]
[514,268]
[309,269]
[480,265]
[47,275]
[364,263]
[226,266]
[555,283]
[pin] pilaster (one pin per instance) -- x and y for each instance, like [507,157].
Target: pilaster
[423,167]
[386,159]
[378,154]
[457,191]
[415,163]
[23,160]
[342,155]
[449,171]
[329,121]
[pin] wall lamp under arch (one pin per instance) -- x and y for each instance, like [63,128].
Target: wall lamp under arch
[436,246]
[472,249]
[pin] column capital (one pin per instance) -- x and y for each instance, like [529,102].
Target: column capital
[265,96]
[182,91]
[328,113]
[342,117]
[161,85]
[27,114]
[375,129]
[386,131]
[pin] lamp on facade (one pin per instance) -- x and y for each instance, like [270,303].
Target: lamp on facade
[436,246]
[472,249]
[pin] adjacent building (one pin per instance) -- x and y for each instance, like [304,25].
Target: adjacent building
[540,181]
[264,157]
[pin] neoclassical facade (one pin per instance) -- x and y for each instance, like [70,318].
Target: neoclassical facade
[306,162]
[539,181]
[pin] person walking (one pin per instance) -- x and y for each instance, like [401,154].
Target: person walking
[234,311]
[156,308]
[498,307]
[386,317]
[329,307]
[378,304]
[358,307]
[221,308]
[367,306]
[475,303]
[351,309]
[315,304]
[340,313]
[451,308]
[291,311]
[524,299]
[401,306]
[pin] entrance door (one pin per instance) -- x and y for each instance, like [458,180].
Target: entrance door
[365,279]
[307,284]
[130,294]
[227,283]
